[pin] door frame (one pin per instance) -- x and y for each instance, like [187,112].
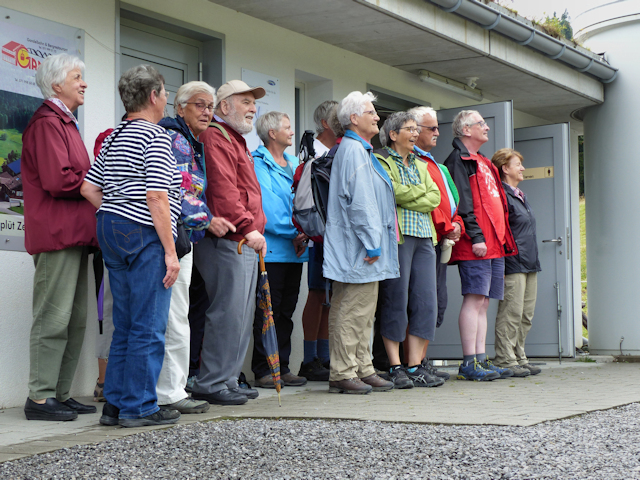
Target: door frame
[212,54]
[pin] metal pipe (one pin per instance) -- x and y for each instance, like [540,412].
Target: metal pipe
[524,34]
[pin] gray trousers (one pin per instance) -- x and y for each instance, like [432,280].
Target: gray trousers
[230,281]
[441,285]
[415,288]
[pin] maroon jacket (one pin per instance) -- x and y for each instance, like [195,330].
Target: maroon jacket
[233,191]
[54,163]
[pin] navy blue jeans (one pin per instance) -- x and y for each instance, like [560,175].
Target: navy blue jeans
[135,258]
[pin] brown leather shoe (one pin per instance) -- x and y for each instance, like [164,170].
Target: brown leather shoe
[350,385]
[291,380]
[378,384]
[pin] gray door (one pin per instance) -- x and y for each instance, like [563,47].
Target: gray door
[499,117]
[175,57]
[547,186]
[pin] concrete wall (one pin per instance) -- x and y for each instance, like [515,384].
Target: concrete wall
[249,43]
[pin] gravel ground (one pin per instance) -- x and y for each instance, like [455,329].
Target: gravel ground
[599,445]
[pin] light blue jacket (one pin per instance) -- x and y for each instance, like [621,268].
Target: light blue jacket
[361,217]
[277,204]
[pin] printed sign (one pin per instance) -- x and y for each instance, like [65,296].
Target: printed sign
[23,50]
[270,102]
[538,173]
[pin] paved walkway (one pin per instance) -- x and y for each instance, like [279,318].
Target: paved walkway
[560,391]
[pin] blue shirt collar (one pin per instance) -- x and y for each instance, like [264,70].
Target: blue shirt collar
[351,134]
[422,153]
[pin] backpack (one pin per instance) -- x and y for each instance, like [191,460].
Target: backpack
[311,189]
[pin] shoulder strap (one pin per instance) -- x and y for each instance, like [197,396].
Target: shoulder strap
[222,129]
[116,136]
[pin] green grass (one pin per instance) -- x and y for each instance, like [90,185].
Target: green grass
[13,142]
[18,210]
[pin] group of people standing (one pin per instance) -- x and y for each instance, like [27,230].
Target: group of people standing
[168,201]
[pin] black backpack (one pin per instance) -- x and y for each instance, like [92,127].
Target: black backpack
[311,189]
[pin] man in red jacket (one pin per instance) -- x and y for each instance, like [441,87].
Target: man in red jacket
[487,239]
[233,193]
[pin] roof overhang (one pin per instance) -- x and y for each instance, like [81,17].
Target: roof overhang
[415,35]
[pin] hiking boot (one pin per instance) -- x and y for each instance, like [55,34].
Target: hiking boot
[190,382]
[267,382]
[433,371]
[109,415]
[161,417]
[475,372]
[399,378]
[354,386]
[188,405]
[98,392]
[503,372]
[249,392]
[532,368]
[421,378]
[314,371]
[519,371]
[378,384]
[291,380]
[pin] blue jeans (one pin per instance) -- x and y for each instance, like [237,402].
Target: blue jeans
[134,256]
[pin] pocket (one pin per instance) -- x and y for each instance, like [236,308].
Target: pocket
[128,235]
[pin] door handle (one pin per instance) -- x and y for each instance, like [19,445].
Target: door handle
[554,240]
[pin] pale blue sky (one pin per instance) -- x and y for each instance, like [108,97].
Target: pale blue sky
[540,8]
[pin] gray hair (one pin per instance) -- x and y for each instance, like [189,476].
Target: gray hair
[334,123]
[54,70]
[136,84]
[422,111]
[322,112]
[393,123]
[269,121]
[188,90]
[353,104]
[463,119]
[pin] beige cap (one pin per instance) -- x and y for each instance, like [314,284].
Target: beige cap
[233,87]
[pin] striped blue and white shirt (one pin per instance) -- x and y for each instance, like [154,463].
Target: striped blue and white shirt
[138,161]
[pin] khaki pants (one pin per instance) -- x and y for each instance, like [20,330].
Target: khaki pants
[60,292]
[514,317]
[353,307]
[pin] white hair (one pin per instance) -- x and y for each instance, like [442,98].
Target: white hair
[353,104]
[269,121]
[462,119]
[188,90]
[54,70]
[422,111]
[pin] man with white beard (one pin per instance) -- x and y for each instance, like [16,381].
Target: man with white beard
[232,192]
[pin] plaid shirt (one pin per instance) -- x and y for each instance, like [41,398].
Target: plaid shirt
[414,224]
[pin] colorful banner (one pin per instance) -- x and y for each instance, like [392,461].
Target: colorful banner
[23,50]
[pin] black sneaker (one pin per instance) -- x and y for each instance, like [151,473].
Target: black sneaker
[428,366]
[314,371]
[399,378]
[161,417]
[421,378]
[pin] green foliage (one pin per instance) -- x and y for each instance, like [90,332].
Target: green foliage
[558,27]
[585,359]
[581,163]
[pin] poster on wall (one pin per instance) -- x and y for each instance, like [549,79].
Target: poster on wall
[23,50]
[268,103]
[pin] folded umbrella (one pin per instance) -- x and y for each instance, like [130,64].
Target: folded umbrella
[269,337]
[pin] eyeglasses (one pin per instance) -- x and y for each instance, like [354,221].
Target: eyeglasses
[201,106]
[481,123]
[411,129]
[373,113]
[433,129]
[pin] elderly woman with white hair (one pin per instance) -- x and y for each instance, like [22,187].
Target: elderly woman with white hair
[60,232]
[360,247]
[136,185]
[193,107]
[286,247]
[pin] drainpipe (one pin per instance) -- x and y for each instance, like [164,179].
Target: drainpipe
[526,35]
